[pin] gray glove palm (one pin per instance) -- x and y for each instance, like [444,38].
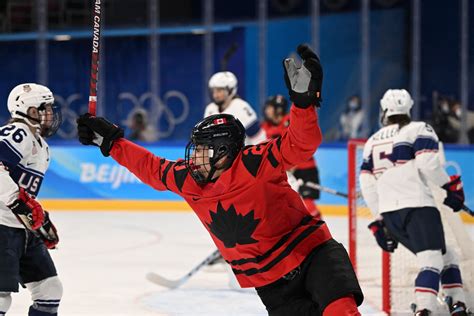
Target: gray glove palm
[304,83]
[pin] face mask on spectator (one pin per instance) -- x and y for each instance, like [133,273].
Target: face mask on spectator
[353,105]
[458,112]
[445,107]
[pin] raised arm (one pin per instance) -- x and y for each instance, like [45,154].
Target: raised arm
[304,84]
[299,142]
[142,163]
[109,137]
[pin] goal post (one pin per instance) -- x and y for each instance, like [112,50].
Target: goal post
[355,148]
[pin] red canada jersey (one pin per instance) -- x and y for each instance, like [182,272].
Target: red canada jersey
[258,223]
[274,131]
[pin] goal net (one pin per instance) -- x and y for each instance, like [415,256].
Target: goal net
[388,279]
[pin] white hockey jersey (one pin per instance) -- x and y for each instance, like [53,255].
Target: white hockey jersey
[246,115]
[23,162]
[397,165]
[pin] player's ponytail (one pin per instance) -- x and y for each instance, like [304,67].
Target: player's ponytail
[400,119]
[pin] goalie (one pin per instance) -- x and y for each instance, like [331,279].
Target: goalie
[25,229]
[242,197]
[399,161]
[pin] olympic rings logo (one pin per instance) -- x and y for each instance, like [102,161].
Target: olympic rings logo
[68,130]
[163,114]
[159,110]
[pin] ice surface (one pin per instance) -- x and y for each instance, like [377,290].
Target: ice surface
[104,256]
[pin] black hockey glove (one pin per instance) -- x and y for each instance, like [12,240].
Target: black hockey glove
[98,131]
[382,235]
[48,233]
[455,193]
[304,84]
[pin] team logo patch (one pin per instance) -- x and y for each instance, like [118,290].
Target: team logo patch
[232,228]
[219,121]
[26,88]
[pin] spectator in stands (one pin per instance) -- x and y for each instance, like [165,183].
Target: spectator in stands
[455,120]
[351,120]
[446,120]
[138,128]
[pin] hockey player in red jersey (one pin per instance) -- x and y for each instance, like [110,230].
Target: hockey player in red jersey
[277,120]
[275,115]
[242,197]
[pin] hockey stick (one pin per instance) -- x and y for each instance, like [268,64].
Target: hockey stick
[227,55]
[172,284]
[318,187]
[96,21]
[466,209]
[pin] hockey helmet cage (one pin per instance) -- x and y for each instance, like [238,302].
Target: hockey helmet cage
[223,135]
[27,95]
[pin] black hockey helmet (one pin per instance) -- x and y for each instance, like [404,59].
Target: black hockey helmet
[280,108]
[221,135]
[279,102]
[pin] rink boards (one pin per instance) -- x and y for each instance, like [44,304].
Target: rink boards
[81,178]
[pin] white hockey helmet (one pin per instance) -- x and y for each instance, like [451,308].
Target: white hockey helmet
[28,95]
[396,102]
[224,80]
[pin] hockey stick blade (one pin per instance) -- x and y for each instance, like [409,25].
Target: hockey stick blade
[159,280]
[173,284]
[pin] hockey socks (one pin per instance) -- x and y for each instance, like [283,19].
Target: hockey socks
[427,281]
[35,312]
[451,283]
[5,302]
[46,295]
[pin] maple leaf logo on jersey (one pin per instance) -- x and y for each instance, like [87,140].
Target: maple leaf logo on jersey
[232,228]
